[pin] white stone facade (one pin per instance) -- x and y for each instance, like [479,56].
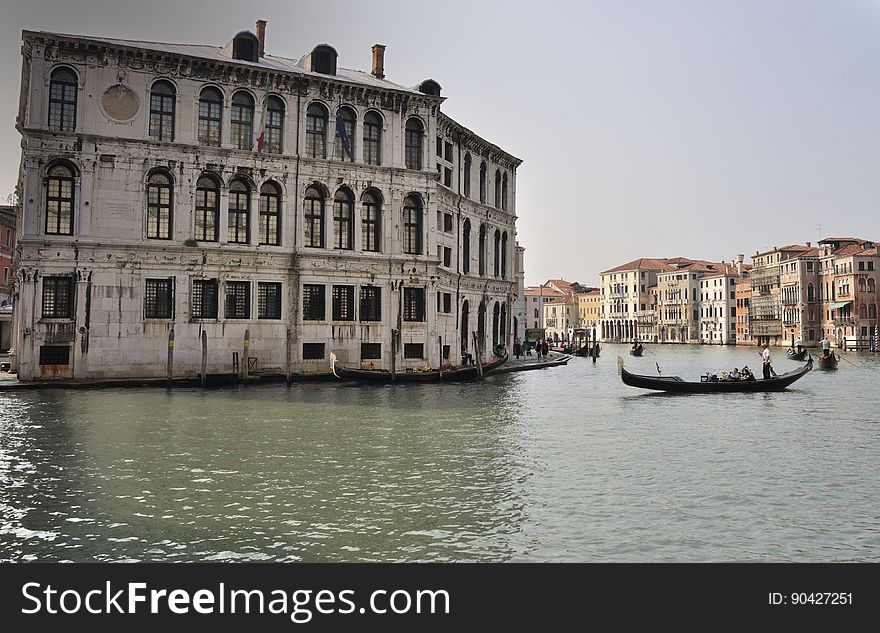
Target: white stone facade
[442,267]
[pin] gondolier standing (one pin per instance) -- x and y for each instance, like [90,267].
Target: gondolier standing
[826,347]
[765,356]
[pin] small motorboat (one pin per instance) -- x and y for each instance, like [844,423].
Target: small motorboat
[828,362]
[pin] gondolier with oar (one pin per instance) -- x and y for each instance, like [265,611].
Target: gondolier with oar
[765,356]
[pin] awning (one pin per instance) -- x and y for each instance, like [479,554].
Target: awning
[839,305]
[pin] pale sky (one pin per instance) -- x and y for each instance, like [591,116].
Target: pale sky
[647,128]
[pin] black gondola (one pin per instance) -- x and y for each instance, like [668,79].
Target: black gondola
[797,355]
[468,373]
[675,384]
[637,350]
[828,362]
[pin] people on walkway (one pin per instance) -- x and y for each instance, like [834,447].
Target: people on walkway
[517,348]
[765,357]
[545,349]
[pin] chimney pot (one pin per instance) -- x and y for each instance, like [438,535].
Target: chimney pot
[261,36]
[378,61]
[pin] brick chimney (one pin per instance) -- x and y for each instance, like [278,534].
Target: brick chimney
[261,36]
[378,61]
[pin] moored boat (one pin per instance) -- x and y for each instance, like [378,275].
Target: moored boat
[828,362]
[674,384]
[796,355]
[467,373]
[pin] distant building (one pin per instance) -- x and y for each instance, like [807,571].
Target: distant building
[520,306]
[718,303]
[626,291]
[848,280]
[589,312]
[536,297]
[7,248]
[743,293]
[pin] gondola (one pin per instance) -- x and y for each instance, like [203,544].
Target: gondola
[795,355]
[675,384]
[828,362]
[468,373]
[637,350]
[583,351]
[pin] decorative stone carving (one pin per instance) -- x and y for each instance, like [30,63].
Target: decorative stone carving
[120,103]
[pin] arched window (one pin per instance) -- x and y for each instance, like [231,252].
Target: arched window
[372,139]
[483,182]
[59,200]
[872,311]
[481,255]
[497,254]
[862,285]
[241,127]
[62,100]
[414,144]
[207,209]
[871,285]
[239,212]
[467,175]
[412,225]
[497,200]
[210,110]
[465,330]
[371,223]
[270,214]
[863,311]
[159,205]
[273,141]
[316,131]
[810,293]
[314,218]
[162,111]
[504,192]
[343,145]
[466,248]
[343,209]
[496,319]
[503,324]
[504,255]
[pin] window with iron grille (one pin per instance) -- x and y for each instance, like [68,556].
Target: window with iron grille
[371,351]
[204,299]
[159,298]
[343,303]
[313,302]
[159,206]
[57,297]
[313,351]
[59,201]
[268,300]
[372,138]
[54,355]
[413,350]
[238,299]
[62,100]
[371,303]
[162,111]
[413,304]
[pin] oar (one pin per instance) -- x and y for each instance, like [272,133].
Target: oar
[840,356]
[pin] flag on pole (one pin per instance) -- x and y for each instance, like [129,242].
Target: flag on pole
[261,139]
[343,135]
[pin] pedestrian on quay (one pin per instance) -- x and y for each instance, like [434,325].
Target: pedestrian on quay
[545,348]
[517,349]
[765,356]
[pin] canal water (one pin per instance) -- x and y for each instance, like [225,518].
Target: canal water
[564,464]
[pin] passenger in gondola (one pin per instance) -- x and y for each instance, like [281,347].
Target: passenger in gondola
[712,378]
[735,375]
[747,373]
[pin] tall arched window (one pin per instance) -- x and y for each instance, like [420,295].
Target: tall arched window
[207,209]
[159,205]
[503,324]
[483,182]
[316,131]
[496,318]
[239,212]
[862,285]
[210,111]
[343,145]
[413,144]
[343,210]
[504,192]
[241,127]
[371,223]
[466,248]
[872,311]
[504,255]
[497,200]
[273,141]
[162,111]
[270,214]
[59,200]
[810,293]
[412,225]
[863,312]
[62,100]
[313,207]
[372,139]
[467,175]
[496,270]
[481,255]
[871,285]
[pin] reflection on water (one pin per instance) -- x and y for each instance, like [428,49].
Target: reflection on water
[565,464]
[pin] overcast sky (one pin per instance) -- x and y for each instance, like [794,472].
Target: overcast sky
[647,129]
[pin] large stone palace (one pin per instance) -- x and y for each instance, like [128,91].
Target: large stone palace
[279,209]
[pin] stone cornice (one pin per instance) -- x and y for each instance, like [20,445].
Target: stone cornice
[470,141]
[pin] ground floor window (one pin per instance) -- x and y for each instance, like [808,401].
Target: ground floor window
[371,351]
[54,355]
[204,299]
[413,350]
[313,351]
[238,299]
[313,302]
[268,300]
[58,297]
[159,298]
